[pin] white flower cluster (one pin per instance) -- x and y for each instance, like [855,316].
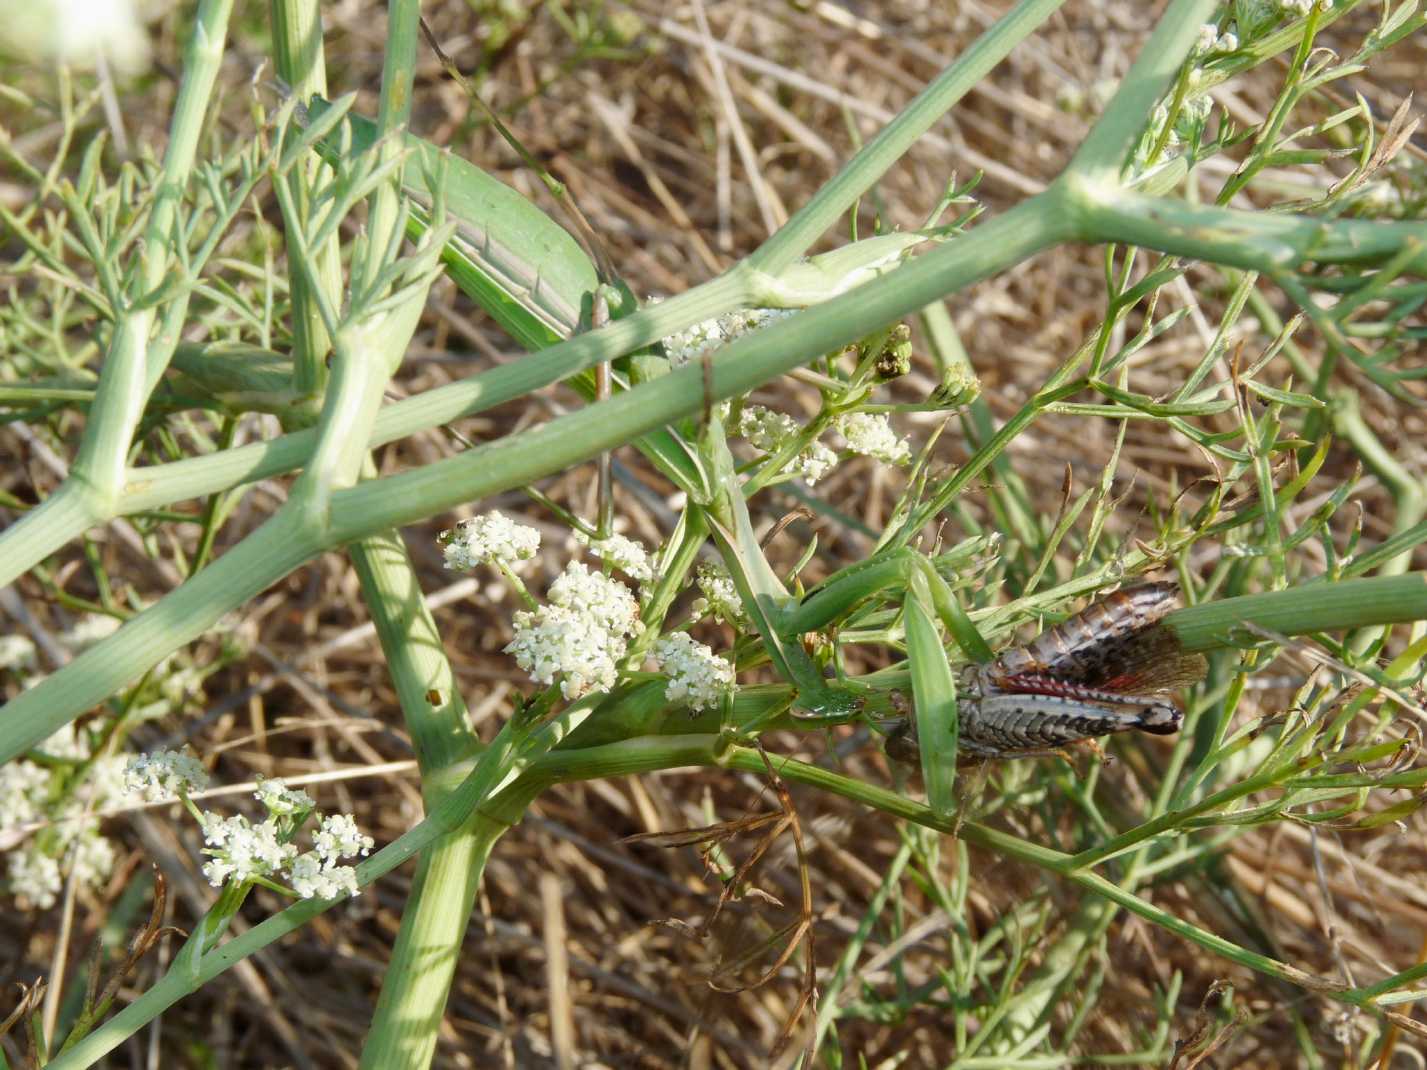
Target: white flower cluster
[581,635]
[89,630]
[164,774]
[319,874]
[720,596]
[815,462]
[1304,7]
[626,554]
[17,653]
[82,33]
[282,801]
[769,431]
[68,843]
[697,675]
[871,434]
[23,787]
[693,342]
[493,538]
[1211,40]
[239,850]
[764,428]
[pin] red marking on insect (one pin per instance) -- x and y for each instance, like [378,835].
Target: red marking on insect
[1098,672]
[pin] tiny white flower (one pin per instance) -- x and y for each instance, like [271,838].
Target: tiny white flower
[554,641]
[338,838]
[493,538]
[1227,42]
[17,653]
[871,434]
[24,790]
[311,878]
[241,850]
[89,630]
[719,593]
[626,554]
[770,431]
[602,598]
[280,800]
[695,341]
[580,636]
[815,462]
[696,674]
[764,428]
[165,774]
[1208,34]
[67,744]
[34,876]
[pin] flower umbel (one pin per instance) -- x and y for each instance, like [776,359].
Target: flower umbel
[771,431]
[581,635]
[243,851]
[697,675]
[625,554]
[706,336]
[720,596]
[318,874]
[164,774]
[871,434]
[493,539]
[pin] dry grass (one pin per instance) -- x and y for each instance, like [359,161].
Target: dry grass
[651,144]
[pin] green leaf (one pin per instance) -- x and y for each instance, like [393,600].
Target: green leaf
[934,692]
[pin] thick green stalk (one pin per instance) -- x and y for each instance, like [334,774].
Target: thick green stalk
[1318,607]
[434,918]
[417,979]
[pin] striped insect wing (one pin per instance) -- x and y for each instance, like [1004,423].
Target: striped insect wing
[1149,662]
[1101,642]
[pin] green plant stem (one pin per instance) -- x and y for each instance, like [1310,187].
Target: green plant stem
[891,143]
[1273,244]
[92,492]
[737,369]
[301,63]
[1408,495]
[1311,607]
[404,1027]
[1106,148]
[159,485]
[416,983]
[384,223]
